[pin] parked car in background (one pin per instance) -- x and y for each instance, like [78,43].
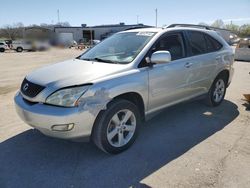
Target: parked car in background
[40,45]
[105,93]
[20,45]
[233,39]
[30,45]
[95,42]
[3,47]
[242,51]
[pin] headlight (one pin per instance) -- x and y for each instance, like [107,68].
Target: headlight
[66,97]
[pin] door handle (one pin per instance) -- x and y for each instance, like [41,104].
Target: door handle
[187,65]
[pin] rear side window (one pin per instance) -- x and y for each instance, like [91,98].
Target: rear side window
[212,44]
[197,42]
[1,43]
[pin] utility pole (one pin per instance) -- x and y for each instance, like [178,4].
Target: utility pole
[58,16]
[91,38]
[156,17]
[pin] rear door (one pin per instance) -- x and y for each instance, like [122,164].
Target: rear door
[203,61]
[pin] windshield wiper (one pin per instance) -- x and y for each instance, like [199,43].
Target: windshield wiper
[104,60]
[99,60]
[86,59]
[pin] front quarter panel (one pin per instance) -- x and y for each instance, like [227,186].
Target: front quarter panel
[102,92]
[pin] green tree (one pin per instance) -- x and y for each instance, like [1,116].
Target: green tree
[244,30]
[232,27]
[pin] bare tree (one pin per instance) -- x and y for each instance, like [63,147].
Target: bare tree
[203,23]
[218,23]
[65,24]
[13,31]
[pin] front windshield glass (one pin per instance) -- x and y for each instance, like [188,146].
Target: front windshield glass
[119,48]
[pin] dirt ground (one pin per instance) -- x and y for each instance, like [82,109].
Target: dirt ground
[188,145]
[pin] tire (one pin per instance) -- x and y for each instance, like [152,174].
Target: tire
[2,50]
[108,131]
[19,49]
[217,91]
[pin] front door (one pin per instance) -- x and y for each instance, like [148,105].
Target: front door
[168,82]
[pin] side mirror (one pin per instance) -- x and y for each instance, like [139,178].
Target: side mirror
[160,57]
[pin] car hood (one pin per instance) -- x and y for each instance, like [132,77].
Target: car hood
[73,72]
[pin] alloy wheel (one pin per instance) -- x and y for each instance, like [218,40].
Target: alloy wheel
[219,90]
[121,128]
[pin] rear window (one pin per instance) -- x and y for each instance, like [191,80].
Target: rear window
[212,44]
[197,42]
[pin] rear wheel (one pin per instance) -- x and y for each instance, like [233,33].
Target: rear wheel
[116,128]
[217,91]
[19,49]
[2,49]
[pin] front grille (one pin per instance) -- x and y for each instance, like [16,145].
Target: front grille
[30,89]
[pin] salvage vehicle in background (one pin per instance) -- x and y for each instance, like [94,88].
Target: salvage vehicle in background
[242,51]
[3,46]
[20,45]
[105,93]
[29,45]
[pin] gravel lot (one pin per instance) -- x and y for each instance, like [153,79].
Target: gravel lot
[188,145]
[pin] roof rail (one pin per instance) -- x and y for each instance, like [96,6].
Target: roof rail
[189,25]
[140,27]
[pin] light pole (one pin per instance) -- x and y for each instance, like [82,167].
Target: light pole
[58,16]
[91,38]
[156,17]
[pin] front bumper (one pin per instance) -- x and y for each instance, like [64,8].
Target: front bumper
[43,117]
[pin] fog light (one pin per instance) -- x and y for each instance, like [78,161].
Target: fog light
[63,127]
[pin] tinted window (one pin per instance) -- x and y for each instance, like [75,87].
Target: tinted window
[197,42]
[1,43]
[173,44]
[212,44]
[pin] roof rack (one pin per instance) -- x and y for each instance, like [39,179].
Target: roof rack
[188,25]
[140,27]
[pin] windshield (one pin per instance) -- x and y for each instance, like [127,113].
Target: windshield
[120,48]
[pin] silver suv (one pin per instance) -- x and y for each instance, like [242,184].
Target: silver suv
[105,93]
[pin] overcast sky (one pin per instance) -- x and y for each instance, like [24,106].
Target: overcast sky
[97,12]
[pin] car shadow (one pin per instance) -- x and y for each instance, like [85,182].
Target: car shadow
[31,159]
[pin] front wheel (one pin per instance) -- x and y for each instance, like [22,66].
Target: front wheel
[116,128]
[19,49]
[217,91]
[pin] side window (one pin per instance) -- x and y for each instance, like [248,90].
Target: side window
[197,42]
[212,44]
[172,43]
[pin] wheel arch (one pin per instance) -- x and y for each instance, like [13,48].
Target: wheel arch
[136,99]
[224,73]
